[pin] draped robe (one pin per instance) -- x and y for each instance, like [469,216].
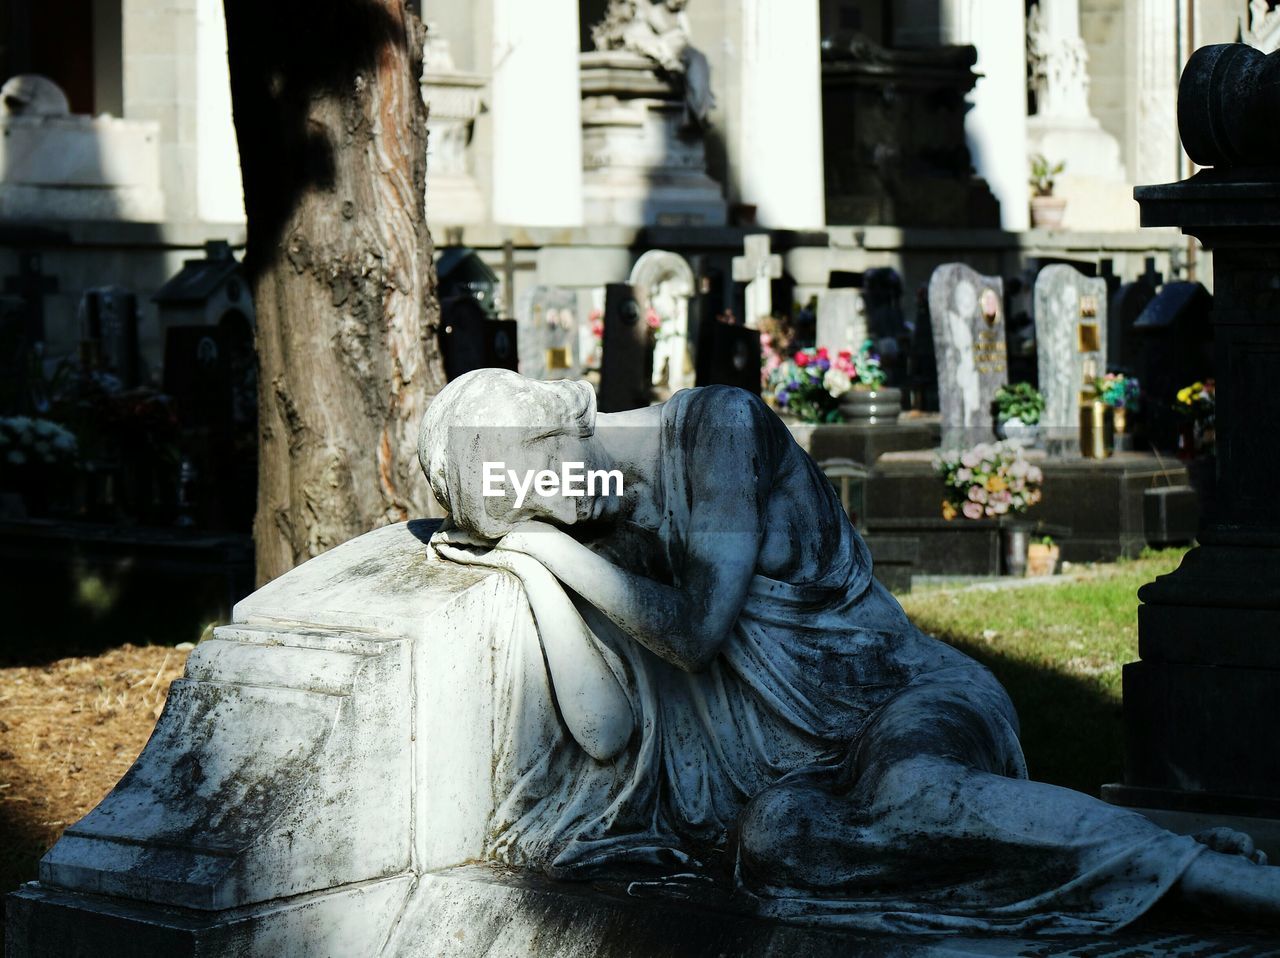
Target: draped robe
[832,765]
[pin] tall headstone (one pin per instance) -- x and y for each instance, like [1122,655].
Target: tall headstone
[624,365]
[1071,347]
[666,282]
[1127,304]
[733,357]
[548,324]
[469,339]
[1199,708]
[110,323]
[967,314]
[758,268]
[1174,348]
[842,319]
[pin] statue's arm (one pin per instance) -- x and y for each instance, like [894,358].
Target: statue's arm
[687,623]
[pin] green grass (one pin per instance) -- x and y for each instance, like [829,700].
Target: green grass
[1059,650]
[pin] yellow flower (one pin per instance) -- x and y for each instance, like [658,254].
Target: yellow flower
[1184,396]
[948,510]
[996,484]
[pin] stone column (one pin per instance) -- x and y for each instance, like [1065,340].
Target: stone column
[996,127]
[537,119]
[1062,128]
[1201,722]
[1153,144]
[219,194]
[779,135]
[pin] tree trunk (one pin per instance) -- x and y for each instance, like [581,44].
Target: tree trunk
[332,134]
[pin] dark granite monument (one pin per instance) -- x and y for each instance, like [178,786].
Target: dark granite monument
[1201,721]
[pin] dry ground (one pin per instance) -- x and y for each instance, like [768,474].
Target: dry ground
[68,731]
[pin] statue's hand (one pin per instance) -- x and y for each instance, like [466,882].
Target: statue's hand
[475,553]
[531,537]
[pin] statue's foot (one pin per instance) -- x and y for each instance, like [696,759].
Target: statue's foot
[1231,842]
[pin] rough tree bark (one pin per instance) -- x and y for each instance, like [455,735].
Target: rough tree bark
[332,134]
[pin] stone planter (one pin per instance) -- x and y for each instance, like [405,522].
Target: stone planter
[1047,212]
[1015,430]
[871,406]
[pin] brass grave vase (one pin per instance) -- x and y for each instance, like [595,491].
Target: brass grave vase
[1097,427]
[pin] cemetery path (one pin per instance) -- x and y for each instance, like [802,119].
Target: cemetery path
[68,731]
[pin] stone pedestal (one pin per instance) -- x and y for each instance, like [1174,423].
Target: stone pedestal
[289,800]
[1201,721]
[639,168]
[1064,130]
[453,101]
[80,168]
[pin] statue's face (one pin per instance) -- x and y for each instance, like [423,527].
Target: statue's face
[513,482]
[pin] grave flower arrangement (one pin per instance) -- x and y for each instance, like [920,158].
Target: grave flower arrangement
[1196,401]
[33,443]
[1118,391]
[38,458]
[988,481]
[810,383]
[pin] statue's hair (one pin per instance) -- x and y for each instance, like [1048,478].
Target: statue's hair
[491,411]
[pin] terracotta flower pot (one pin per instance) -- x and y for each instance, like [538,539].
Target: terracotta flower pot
[1047,211]
[1042,559]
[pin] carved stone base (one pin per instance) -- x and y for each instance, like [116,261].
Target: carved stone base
[474,912]
[639,167]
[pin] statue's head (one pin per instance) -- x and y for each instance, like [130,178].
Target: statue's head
[494,416]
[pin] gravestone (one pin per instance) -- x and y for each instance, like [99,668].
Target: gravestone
[1174,343]
[732,356]
[665,281]
[922,361]
[886,322]
[198,375]
[966,310]
[32,285]
[548,326]
[624,364]
[109,328]
[469,339]
[461,272]
[758,268]
[842,320]
[1071,348]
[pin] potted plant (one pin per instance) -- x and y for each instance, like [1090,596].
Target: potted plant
[993,481]
[1018,408]
[1196,405]
[1046,209]
[1042,557]
[868,399]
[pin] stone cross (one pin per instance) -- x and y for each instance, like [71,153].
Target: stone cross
[1071,346]
[757,267]
[32,285]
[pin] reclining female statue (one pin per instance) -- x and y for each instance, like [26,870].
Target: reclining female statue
[738,702]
